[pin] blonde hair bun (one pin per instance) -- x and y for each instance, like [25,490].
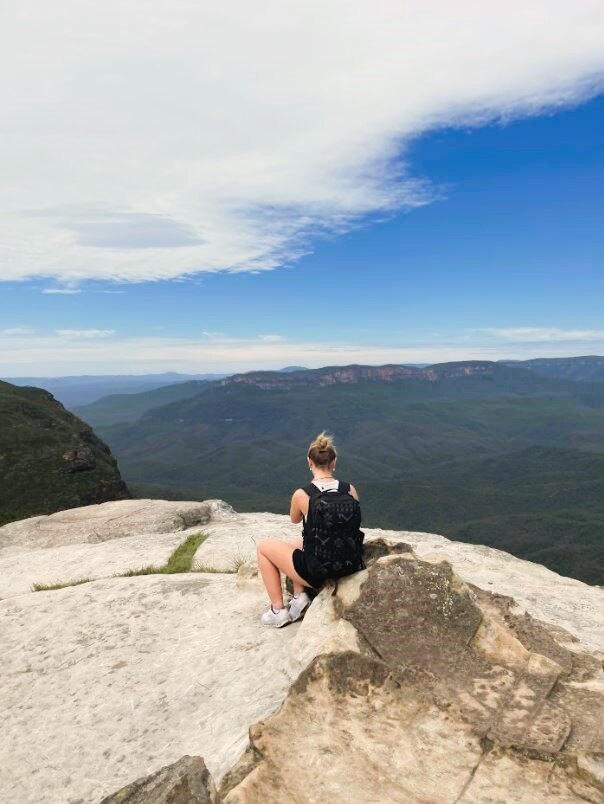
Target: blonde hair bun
[322,450]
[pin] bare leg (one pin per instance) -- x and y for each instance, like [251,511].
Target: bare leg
[297,545]
[275,557]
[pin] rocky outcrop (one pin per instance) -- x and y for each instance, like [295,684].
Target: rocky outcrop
[444,672]
[426,690]
[99,541]
[185,782]
[108,521]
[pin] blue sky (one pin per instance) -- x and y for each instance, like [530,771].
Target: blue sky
[475,236]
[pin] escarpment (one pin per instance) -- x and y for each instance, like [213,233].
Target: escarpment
[49,459]
[334,375]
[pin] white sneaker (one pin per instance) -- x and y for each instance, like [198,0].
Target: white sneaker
[277,618]
[297,606]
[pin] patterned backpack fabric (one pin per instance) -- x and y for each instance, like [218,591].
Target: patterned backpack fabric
[333,540]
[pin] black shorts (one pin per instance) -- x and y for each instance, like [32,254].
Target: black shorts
[299,562]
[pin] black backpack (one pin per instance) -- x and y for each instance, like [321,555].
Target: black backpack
[333,540]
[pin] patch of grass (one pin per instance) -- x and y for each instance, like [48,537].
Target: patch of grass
[179,561]
[47,587]
[215,570]
[149,570]
[238,563]
[182,558]
[232,570]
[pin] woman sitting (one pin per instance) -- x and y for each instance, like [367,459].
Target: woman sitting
[297,559]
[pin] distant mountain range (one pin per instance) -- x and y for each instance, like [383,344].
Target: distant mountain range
[49,459]
[506,453]
[83,390]
[587,368]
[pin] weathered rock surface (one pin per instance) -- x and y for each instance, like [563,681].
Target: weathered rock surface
[184,782]
[105,682]
[417,680]
[110,520]
[98,541]
[155,526]
[564,602]
[424,690]
[54,565]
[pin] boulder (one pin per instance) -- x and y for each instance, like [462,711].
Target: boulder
[187,781]
[248,576]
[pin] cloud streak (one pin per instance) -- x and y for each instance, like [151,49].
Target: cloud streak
[12,331]
[228,137]
[85,333]
[68,352]
[544,334]
[61,291]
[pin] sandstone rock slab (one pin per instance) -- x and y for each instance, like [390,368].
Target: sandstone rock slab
[71,562]
[106,521]
[133,673]
[233,541]
[106,682]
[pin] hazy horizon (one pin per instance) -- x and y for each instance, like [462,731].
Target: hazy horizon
[198,375]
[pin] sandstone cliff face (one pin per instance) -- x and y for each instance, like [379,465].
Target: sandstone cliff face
[444,672]
[332,375]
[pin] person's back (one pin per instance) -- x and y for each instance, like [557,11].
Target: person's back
[332,537]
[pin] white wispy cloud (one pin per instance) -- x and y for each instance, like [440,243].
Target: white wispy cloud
[65,353]
[227,136]
[61,291]
[271,338]
[223,338]
[85,333]
[11,331]
[544,334]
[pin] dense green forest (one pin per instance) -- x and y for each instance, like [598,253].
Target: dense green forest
[128,407]
[49,459]
[491,453]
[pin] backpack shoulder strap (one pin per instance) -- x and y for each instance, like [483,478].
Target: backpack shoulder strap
[343,488]
[312,492]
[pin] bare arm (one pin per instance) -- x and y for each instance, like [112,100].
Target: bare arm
[353,491]
[298,506]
